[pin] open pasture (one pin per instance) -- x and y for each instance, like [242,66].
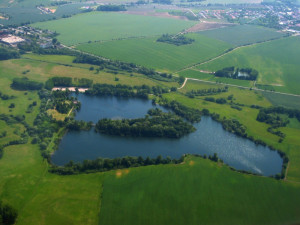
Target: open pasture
[277,63]
[158,55]
[242,34]
[99,26]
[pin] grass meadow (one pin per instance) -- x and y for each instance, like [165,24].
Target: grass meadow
[242,34]
[277,63]
[161,56]
[100,26]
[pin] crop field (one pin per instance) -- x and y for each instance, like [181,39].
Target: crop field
[242,34]
[283,100]
[98,26]
[158,55]
[210,193]
[277,63]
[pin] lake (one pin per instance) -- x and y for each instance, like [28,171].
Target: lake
[209,138]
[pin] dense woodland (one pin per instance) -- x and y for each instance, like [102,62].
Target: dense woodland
[236,73]
[155,124]
[8,54]
[175,39]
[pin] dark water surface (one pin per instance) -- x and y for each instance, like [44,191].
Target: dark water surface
[209,138]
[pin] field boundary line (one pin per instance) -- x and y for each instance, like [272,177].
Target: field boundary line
[234,85]
[227,52]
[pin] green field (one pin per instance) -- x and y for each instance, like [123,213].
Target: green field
[283,100]
[277,63]
[98,26]
[197,191]
[162,56]
[242,34]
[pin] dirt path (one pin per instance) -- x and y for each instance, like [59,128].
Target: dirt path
[233,85]
[183,83]
[70,111]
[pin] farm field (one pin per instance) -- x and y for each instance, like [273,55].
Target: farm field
[283,100]
[243,34]
[97,26]
[158,55]
[277,63]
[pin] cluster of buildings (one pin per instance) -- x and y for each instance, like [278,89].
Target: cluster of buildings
[9,39]
[23,34]
[287,15]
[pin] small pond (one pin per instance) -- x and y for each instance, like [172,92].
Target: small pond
[209,138]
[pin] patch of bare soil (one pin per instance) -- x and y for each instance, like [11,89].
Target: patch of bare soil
[155,14]
[207,26]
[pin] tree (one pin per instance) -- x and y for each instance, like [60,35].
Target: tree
[54,41]
[181,79]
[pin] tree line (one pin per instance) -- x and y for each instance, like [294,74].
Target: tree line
[101,164]
[155,124]
[205,92]
[113,8]
[117,65]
